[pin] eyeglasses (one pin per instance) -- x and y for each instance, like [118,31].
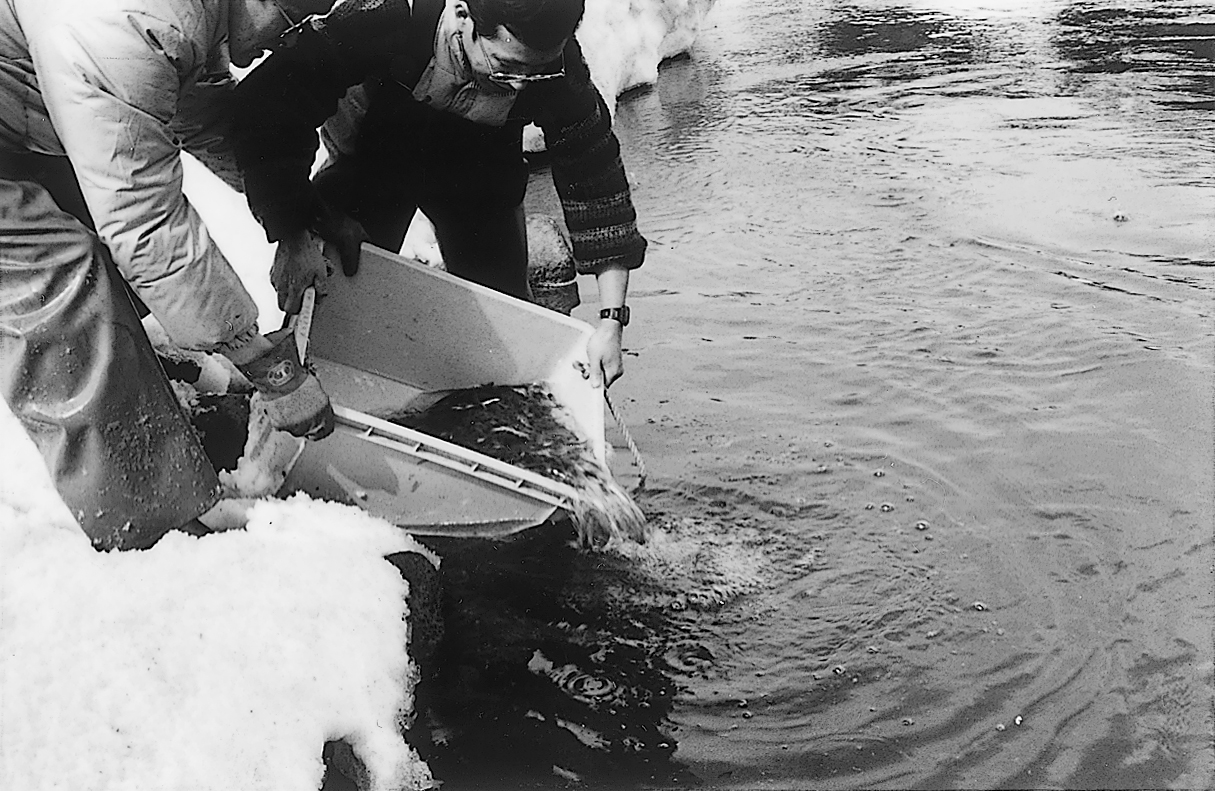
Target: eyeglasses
[509,79]
[506,78]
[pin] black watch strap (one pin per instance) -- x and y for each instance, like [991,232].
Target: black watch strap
[620,314]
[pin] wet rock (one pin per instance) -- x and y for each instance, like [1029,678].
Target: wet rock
[222,424]
[425,603]
[550,265]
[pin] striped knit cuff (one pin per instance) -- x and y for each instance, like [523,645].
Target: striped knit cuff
[611,245]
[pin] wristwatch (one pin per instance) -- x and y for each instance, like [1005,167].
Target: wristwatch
[620,314]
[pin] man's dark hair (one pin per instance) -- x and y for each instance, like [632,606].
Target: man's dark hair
[540,24]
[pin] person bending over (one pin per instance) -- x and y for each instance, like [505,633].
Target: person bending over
[97,99]
[423,105]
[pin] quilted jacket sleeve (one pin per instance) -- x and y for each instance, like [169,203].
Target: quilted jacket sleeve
[204,126]
[110,83]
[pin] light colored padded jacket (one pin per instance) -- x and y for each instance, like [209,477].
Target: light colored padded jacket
[120,87]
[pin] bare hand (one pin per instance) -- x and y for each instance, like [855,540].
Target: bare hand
[604,354]
[343,237]
[298,263]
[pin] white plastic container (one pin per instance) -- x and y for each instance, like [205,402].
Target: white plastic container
[399,331]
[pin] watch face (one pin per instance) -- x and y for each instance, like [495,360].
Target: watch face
[620,314]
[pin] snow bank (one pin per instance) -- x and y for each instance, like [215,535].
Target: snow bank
[624,41]
[216,663]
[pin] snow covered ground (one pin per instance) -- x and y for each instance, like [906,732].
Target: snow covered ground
[227,661]
[214,663]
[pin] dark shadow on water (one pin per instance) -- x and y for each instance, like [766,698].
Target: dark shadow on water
[541,680]
[1099,39]
[856,30]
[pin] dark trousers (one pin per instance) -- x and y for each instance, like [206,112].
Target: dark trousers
[79,372]
[467,178]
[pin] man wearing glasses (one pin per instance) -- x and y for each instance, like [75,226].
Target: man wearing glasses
[442,90]
[97,100]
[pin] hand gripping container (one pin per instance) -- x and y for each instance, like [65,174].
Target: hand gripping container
[400,332]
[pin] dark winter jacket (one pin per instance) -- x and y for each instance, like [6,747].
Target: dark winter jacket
[372,43]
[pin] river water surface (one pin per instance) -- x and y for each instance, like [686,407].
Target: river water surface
[921,372]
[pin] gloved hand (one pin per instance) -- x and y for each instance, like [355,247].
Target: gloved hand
[342,236]
[293,397]
[298,263]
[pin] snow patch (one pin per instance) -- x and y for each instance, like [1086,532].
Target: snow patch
[204,663]
[624,42]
